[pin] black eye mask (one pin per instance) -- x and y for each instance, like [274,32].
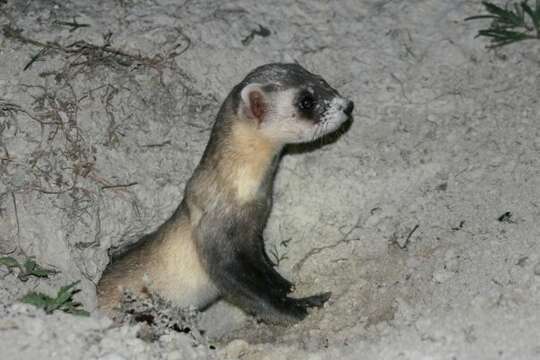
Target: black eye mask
[306,104]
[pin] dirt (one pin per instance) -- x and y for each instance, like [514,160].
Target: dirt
[422,218]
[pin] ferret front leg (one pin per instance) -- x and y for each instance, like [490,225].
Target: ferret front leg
[235,261]
[280,284]
[247,287]
[277,285]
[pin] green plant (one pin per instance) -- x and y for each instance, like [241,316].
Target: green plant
[27,269]
[510,24]
[63,300]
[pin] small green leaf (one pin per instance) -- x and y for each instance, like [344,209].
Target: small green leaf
[65,293]
[9,262]
[42,272]
[29,268]
[496,10]
[480,17]
[29,265]
[79,312]
[63,300]
[504,15]
[37,299]
[533,14]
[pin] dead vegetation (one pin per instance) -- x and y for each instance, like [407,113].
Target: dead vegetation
[62,161]
[158,317]
[56,111]
[82,55]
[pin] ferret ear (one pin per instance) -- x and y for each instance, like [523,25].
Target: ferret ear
[253,102]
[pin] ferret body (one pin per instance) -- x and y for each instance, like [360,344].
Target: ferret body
[212,246]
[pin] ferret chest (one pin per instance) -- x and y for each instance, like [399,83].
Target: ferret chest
[249,162]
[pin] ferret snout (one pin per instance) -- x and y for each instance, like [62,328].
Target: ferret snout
[348,107]
[343,105]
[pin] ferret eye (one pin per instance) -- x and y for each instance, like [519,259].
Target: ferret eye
[306,101]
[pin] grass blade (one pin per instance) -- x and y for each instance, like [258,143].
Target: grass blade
[533,14]
[510,24]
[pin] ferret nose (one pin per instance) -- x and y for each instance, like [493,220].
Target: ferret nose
[349,108]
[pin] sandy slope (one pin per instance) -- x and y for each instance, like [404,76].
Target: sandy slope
[400,218]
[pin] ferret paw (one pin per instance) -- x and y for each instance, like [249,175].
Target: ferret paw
[282,286]
[294,310]
[313,301]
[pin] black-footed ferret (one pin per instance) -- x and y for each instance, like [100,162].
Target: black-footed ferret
[212,246]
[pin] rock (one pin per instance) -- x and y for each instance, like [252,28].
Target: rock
[234,349]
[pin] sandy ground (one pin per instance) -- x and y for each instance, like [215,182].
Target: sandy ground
[401,217]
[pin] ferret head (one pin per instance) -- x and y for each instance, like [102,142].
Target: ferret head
[288,104]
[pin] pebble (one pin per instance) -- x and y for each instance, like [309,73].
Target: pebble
[175,355]
[441,276]
[537,269]
[35,327]
[112,356]
[234,349]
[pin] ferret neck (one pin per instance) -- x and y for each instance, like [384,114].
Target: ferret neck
[249,161]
